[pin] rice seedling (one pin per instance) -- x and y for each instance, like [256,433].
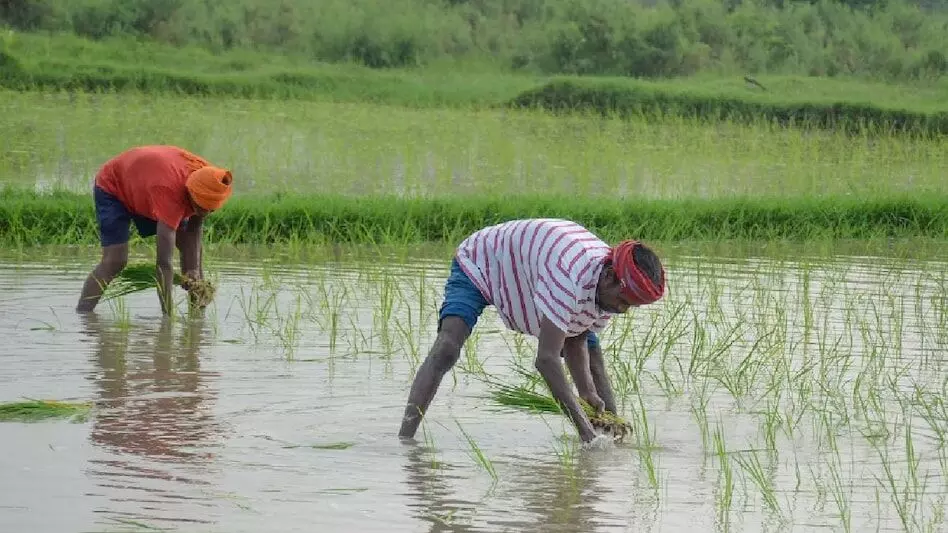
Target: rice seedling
[138,277]
[761,479]
[525,397]
[478,454]
[41,410]
[645,444]
[725,489]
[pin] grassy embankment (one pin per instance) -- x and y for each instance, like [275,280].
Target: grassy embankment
[737,176]
[29,219]
[34,62]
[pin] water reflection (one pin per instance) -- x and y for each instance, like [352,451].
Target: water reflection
[537,493]
[154,422]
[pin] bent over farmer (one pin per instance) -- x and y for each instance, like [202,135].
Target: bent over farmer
[549,278]
[166,191]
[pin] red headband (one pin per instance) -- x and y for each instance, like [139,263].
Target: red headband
[636,285]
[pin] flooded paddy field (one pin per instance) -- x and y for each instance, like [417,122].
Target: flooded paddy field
[766,394]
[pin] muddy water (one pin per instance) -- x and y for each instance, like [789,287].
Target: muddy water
[277,411]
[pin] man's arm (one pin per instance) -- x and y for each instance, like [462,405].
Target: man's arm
[165,264]
[577,360]
[189,245]
[548,364]
[597,366]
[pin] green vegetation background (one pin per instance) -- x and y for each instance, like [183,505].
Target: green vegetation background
[857,65]
[829,63]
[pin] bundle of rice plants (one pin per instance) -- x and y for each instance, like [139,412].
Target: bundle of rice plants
[141,276]
[37,410]
[526,398]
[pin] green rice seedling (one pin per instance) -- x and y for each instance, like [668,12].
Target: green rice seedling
[933,409]
[761,479]
[288,328]
[645,442]
[406,330]
[256,309]
[525,397]
[839,491]
[137,277]
[725,491]
[699,410]
[471,364]
[40,410]
[478,454]
[430,445]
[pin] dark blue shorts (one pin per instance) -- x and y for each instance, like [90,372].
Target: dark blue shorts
[463,299]
[114,218]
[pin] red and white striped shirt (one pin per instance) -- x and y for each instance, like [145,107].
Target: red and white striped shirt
[538,267]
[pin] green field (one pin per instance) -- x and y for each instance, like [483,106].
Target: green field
[36,62]
[317,171]
[793,373]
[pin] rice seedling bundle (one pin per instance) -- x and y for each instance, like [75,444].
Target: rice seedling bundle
[37,410]
[141,276]
[522,397]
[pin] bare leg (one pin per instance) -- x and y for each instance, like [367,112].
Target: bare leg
[114,259]
[442,357]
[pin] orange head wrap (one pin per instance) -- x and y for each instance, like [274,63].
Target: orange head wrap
[210,186]
[636,285]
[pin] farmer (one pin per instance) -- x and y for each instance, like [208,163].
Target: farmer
[167,191]
[549,278]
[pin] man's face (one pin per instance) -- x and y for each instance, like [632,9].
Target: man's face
[609,293]
[198,210]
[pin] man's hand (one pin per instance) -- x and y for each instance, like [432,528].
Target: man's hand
[548,364]
[594,401]
[188,277]
[165,252]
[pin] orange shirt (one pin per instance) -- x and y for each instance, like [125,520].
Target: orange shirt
[150,182]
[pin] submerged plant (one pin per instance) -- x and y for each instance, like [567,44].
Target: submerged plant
[39,410]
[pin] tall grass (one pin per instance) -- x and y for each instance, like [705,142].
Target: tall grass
[30,219]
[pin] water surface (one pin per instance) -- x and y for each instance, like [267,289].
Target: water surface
[221,423]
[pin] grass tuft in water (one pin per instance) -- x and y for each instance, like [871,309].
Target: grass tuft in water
[40,410]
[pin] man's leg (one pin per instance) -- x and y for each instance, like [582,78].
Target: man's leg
[113,221]
[463,304]
[442,358]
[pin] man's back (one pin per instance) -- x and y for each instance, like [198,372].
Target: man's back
[533,266]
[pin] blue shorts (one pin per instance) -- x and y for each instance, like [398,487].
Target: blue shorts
[463,299]
[114,218]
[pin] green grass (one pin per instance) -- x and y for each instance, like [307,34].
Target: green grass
[302,147]
[40,410]
[871,108]
[319,172]
[28,218]
[65,62]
